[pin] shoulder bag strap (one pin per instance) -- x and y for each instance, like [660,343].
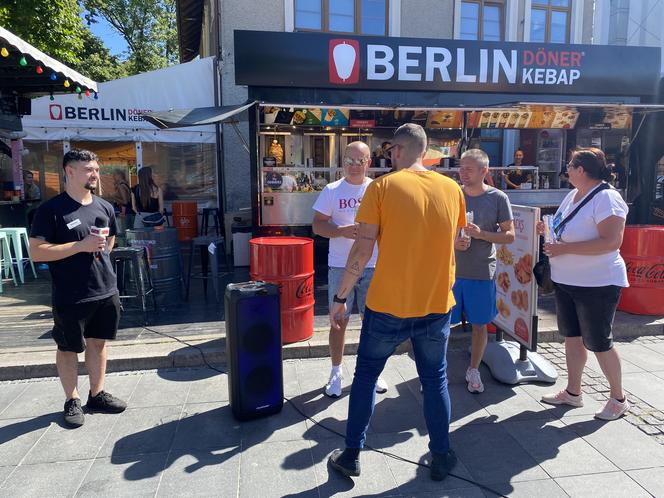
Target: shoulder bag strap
[585,201]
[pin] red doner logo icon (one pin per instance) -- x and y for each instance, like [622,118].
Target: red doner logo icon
[56,111]
[344,57]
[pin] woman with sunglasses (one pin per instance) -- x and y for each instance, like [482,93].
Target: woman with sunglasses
[588,273]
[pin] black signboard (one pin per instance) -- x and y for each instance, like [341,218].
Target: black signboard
[346,62]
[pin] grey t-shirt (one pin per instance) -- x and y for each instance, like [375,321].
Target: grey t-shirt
[490,209]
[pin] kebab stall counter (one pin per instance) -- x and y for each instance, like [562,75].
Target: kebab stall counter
[300,150]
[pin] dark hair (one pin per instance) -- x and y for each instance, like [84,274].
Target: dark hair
[146,185]
[76,155]
[385,143]
[593,162]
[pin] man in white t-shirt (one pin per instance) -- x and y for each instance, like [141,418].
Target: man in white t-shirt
[334,218]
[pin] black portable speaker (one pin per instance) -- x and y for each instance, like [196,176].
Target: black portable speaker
[253,349]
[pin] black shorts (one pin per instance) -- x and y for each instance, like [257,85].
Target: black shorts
[92,320]
[587,312]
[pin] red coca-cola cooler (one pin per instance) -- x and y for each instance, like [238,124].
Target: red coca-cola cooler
[643,252]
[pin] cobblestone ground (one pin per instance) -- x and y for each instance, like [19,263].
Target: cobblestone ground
[648,419]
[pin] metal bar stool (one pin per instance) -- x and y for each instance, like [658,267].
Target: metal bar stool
[140,276]
[17,237]
[210,247]
[6,266]
[205,220]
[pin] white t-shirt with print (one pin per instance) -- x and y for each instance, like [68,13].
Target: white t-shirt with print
[340,200]
[590,271]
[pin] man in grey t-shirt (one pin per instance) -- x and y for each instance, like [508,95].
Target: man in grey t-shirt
[475,286]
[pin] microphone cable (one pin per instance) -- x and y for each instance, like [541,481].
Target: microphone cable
[323,426]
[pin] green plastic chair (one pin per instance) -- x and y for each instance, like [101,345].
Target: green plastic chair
[18,236]
[6,266]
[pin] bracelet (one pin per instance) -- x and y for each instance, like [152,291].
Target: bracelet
[339,300]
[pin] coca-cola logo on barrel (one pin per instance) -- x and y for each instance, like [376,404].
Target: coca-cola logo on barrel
[646,272]
[305,289]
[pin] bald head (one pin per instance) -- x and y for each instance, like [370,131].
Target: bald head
[359,147]
[356,162]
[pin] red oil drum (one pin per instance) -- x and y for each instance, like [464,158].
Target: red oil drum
[289,263]
[185,219]
[643,252]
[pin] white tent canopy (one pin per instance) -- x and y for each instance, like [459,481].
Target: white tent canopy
[116,114]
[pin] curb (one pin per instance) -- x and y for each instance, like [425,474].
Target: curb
[151,354]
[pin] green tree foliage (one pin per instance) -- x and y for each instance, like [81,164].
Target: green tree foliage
[56,28]
[148,27]
[53,26]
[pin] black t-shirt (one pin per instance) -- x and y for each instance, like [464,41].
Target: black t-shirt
[153,203]
[518,177]
[82,277]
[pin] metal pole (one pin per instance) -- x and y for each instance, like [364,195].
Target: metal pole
[523,353]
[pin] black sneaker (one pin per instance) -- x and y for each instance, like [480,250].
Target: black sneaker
[74,413]
[105,402]
[346,461]
[442,464]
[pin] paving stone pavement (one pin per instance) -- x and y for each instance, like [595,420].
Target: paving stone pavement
[638,358]
[178,438]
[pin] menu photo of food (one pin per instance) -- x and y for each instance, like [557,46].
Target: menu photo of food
[618,118]
[335,117]
[269,114]
[313,116]
[299,116]
[444,119]
[523,269]
[504,119]
[524,119]
[485,119]
[516,291]
[542,118]
[565,118]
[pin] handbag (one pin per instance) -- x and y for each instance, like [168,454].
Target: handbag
[154,220]
[542,270]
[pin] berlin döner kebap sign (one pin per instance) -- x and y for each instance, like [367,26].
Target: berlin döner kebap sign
[312,60]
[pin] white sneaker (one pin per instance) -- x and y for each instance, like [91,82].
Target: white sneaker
[474,380]
[381,386]
[333,387]
[563,398]
[613,410]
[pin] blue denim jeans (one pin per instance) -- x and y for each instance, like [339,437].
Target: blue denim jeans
[381,335]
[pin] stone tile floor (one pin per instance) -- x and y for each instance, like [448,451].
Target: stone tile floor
[178,438]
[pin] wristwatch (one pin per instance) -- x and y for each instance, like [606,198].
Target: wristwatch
[339,300]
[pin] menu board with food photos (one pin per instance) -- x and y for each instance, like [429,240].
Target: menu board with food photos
[335,117]
[445,119]
[516,296]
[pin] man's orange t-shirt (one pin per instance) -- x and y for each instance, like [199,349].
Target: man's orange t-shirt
[418,214]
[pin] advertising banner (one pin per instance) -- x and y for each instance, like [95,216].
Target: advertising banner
[516,296]
[347,62]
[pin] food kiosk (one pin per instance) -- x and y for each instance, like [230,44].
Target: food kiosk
[314,93]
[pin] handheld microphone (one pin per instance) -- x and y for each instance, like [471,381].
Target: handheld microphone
[101,229]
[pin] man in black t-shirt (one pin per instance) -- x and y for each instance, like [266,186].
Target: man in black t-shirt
[86,305]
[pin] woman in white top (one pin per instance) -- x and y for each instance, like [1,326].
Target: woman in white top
[589,274]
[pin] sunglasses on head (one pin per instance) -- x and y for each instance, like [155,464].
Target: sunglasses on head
[389,150]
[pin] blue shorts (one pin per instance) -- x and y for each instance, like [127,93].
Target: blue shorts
[359,292]
[476,299]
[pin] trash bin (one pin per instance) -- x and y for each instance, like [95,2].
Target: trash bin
[643,252]
[289,263]
[241,235]
[185,219]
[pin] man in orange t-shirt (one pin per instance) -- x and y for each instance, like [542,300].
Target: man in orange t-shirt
[415,215]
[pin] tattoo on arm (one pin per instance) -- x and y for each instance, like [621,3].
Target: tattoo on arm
[354,269]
